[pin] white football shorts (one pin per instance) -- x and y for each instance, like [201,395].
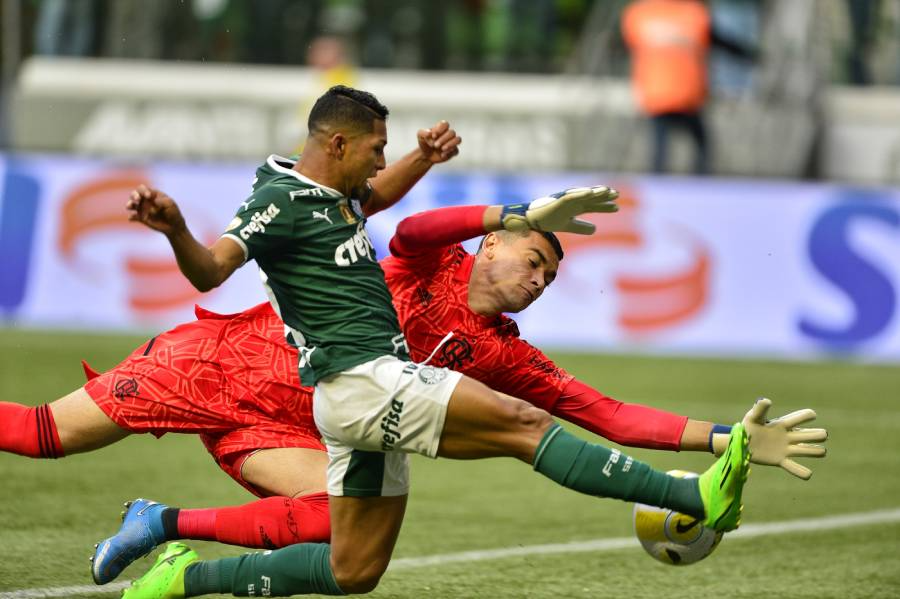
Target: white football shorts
[372,415]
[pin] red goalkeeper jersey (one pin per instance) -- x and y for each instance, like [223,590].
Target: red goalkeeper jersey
[431,298]
[428,274]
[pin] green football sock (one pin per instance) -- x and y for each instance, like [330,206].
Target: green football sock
[294,570]
[597,470]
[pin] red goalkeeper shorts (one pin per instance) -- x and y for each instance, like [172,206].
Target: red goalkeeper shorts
[165,393]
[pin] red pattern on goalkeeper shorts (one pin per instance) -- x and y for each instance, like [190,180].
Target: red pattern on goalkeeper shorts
[231,378]
[430,294]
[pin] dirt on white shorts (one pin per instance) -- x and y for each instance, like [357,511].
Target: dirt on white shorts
[372,415]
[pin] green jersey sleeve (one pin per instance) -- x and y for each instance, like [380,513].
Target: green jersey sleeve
[263,223]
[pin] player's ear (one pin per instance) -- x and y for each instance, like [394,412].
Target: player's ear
[338,145]
[489,245]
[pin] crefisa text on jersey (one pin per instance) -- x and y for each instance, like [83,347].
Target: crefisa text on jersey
[353,249]
[259,220]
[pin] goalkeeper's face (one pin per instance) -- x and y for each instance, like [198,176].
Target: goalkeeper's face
[520,267]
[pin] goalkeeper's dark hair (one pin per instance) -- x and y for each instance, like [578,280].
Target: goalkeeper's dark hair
[343,106]
[551,238]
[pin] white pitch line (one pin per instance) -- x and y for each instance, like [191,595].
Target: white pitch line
[85,589]
[746,531]
[404,563]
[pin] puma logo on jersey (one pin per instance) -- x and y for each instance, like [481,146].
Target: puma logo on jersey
[259,220]
[323,215]
[358,246]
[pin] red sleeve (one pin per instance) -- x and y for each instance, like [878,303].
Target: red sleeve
[517,368]
[633,425]
[435,229]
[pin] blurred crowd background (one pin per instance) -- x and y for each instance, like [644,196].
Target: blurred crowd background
[756,144]
[787,89]
[856,41]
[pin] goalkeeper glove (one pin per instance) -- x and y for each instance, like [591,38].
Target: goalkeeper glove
[557,212]
[775,442]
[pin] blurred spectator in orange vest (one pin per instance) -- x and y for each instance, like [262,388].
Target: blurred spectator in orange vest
[669,41]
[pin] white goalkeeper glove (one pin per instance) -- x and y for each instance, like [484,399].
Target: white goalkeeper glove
[557,211]
[775,442]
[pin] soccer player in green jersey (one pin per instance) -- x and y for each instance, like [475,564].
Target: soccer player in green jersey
[304,224]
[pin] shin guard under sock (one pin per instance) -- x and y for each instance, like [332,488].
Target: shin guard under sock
[268,523]
[295,570]
[597,470]
[29,431]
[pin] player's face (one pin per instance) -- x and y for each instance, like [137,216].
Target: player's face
[523,267]
[365,156]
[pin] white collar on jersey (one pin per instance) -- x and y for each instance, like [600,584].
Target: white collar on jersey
[274,160]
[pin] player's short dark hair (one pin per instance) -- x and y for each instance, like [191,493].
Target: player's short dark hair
[343,106]
[551,238]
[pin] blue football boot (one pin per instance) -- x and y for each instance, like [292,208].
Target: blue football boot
[140,533]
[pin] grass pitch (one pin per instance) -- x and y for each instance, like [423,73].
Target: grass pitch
[51,513]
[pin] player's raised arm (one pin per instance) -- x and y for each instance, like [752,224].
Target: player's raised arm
[772,442]
[557,212]
[438,144]
[206,268]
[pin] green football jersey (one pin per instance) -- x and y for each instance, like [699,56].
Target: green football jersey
[319,270]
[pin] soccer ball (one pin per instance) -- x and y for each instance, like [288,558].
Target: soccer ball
[672,537]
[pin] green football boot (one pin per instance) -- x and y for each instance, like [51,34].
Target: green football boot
[165,580]
[721,486]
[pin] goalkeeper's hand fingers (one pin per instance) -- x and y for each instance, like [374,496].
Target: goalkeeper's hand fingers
[801,450]
[580,227]
[774,442]
[796,418]
[805,450]
[593,199]
[557,212]
[757,414]
[807,435]
[792,467]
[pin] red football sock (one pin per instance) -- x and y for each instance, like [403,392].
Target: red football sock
[29,431]
[268,523]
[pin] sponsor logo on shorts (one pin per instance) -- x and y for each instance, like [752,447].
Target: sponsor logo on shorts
[431,375]
[125,388]
[390,424]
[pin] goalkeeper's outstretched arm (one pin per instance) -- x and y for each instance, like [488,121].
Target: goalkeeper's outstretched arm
[776,442]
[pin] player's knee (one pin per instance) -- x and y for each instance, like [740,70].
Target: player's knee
[359,578]
[530,419]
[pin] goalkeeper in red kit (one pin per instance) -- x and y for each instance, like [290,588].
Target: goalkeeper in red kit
[233,380]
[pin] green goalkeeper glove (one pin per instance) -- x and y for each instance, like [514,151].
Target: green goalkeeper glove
[557,212]
[775,442]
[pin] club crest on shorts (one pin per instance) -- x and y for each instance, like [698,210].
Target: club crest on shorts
[431,375]
[126,388]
